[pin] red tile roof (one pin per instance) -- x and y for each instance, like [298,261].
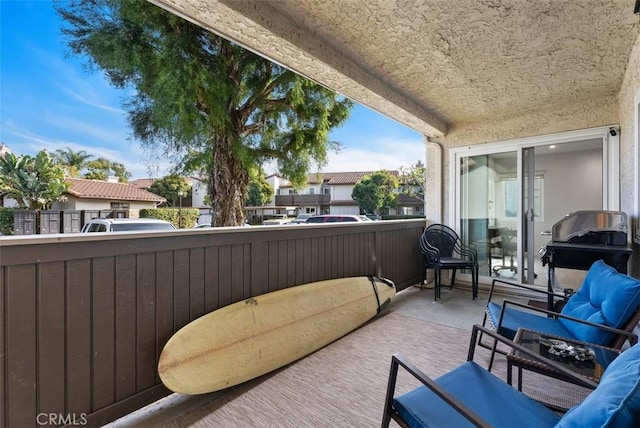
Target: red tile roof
[145,183]
[404,199]
[350,177]
[142,183]
[337,178]
[97,189]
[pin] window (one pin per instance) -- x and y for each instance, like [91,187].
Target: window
[511,193]
[119,205]
[312,191]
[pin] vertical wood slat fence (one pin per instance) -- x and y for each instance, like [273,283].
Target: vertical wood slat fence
[84,318]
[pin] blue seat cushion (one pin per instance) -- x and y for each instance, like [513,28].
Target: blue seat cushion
[514,319]
[491,398]
[616,400]
[607,297]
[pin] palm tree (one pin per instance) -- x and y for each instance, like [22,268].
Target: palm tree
[73,162]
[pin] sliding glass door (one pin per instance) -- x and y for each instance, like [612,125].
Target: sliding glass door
[509,195]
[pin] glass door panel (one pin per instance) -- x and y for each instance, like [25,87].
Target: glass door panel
[567,177]
[489,211]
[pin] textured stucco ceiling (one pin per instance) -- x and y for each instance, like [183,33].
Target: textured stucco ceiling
[434,64]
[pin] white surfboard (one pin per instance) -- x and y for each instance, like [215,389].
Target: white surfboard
[247,339]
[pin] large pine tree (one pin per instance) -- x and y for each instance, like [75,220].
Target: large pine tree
[206,102]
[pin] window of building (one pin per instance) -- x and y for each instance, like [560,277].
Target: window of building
[511,193]
[120,205]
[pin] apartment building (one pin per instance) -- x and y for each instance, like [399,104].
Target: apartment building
[330,193]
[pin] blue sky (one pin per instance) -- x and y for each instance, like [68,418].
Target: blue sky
[48,100]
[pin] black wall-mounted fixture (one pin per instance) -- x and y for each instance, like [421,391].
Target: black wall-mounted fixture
[613,131]
[636,8]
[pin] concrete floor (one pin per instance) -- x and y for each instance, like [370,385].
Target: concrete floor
[455,308]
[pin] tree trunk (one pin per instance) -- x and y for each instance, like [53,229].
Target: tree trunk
[227,185]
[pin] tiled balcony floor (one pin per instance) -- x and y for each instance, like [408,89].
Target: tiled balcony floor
[455,310]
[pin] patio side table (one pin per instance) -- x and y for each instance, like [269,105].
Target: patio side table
[593,368]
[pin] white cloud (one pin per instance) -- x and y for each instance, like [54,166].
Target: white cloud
[104,132]
[87,87]
[85,100]
[131,155]
[384,153]
[380,154]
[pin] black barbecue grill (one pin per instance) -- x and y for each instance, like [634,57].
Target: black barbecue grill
[583,237]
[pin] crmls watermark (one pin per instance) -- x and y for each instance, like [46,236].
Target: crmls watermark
[61,419]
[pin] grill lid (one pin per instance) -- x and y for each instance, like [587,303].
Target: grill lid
[581,223]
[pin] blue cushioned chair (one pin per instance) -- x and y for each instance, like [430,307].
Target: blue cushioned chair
[471,396]
[604,310]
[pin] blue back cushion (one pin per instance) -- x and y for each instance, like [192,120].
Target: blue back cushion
[605,297]
[616,400]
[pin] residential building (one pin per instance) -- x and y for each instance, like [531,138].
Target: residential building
[107,195]
[330,193]
[4,149]
[195,198]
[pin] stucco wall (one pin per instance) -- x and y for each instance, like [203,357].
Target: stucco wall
[629,183]
[341,192]
[345,209]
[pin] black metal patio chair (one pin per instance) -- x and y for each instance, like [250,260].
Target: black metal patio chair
[442,248]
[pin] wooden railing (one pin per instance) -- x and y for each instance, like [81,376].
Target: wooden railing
[85,317]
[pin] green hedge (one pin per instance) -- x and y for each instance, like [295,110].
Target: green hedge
[189,215]
[6,221]
[401,217]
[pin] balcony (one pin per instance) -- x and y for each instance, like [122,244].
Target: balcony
[302,200]
[344,383]
[85,317]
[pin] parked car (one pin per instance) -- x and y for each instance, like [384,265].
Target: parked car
[204,220]
[125,225]
[337,218]
[301,218]
[277,219]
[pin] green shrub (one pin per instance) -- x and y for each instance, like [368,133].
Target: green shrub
[189,216]
[400,217]
[6,221]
